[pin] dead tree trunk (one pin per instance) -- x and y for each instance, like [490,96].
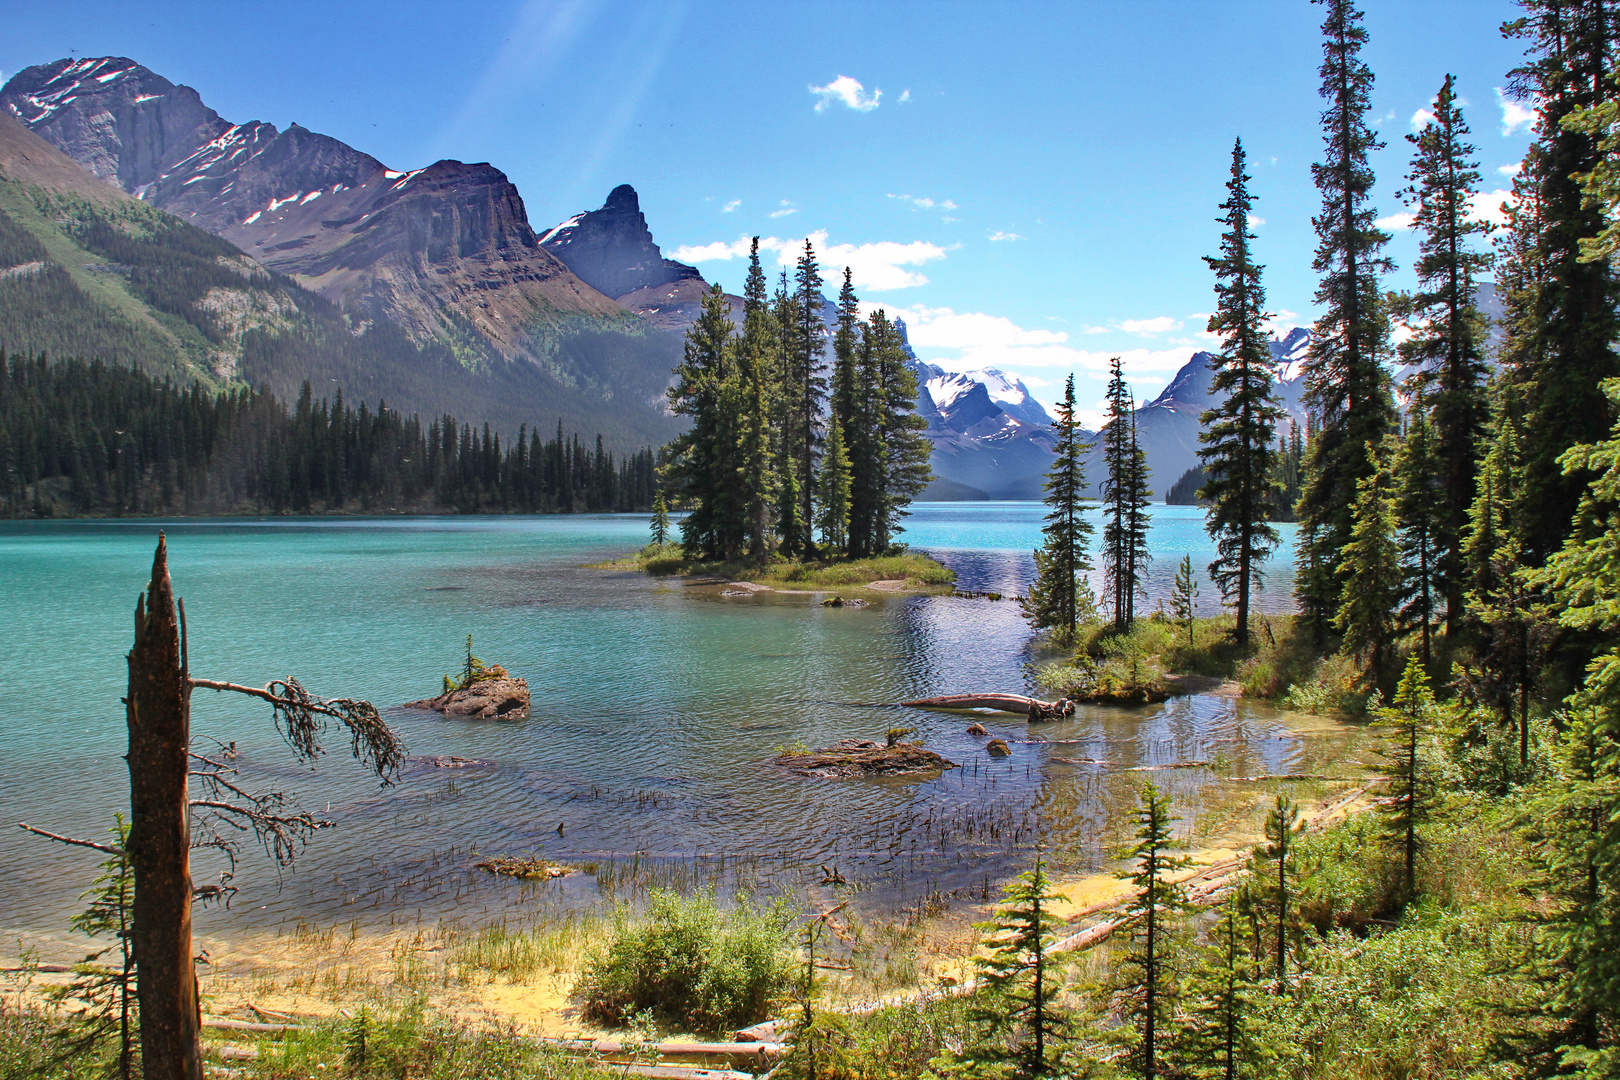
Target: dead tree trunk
[159,719]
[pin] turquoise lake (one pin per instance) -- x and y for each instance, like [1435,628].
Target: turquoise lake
[656,708]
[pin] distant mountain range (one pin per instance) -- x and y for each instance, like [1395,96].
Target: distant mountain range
[138,224]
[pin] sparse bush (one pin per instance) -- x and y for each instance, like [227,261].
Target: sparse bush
[693,964]
[1334,687]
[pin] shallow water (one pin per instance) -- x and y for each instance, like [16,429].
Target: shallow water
[655,707]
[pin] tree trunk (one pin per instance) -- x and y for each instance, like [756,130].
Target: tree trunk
[159,719]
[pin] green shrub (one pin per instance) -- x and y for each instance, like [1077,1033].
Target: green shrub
[1334,687]
[691,963]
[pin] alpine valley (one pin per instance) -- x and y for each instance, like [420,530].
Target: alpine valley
[137,224]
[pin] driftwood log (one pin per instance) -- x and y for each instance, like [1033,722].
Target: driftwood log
[1034,708]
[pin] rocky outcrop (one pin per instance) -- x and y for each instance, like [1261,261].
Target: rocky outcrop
[612,250]
[863,757]
[488,699]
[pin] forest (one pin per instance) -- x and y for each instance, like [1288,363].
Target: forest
[97,439]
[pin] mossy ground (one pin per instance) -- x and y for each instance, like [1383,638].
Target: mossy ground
[918,572]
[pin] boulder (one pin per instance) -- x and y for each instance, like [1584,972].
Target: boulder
[500,698]
[997,748]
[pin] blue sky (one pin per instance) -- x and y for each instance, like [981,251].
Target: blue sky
[1030,185]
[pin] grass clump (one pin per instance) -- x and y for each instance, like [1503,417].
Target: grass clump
[1113,668]
[691,964]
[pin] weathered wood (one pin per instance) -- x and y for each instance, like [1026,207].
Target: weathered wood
[1013,703]
[757,1050]
[158,714]
[220,1023]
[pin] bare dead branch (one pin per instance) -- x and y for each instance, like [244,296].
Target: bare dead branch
[297,715]
[70,840]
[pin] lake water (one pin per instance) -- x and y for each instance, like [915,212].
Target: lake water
[656,708]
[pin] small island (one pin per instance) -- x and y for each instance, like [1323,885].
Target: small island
[481,691]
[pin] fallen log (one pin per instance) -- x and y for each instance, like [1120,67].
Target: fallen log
[756,1050]
[219,1023]
[1034,708]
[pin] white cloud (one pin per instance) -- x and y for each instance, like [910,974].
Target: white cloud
[1256,219]
[875,267]
[905,96]
[1398,222]
[731,206]
[999,236]
[784,211]
[1149,327]
[1422,119]
[925,203]
[1511,170]
[847,91]
[1490,206]
[1515,115]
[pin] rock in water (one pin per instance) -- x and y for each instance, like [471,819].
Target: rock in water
[503,698]
[997,748]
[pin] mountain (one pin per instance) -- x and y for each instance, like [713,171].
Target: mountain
[992,440]
[443,256]
[1168,426]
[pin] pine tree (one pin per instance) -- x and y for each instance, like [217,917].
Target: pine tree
[1571,46]
[1282,821]
[1125,500]
[1447,345]
[702,461]
[1422,510]
[759,437]
[1059,596]
[1371,574]
[834,488]
[902,450]
[1347,385]
[1411,792]
[1149,986]
[108,990]
[1222,1033]
[1184,597]
[1017,973]
[1237,453]
[660,521]
[807,386]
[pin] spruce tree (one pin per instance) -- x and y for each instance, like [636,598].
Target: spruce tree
[1125,500]
[1221,1033]
[1059,596]
[759,437]
[1237,454]
[1347,385]
[807,385]
[1570,49]
[1018,974]
[902,449]
[1411,792]
[834,487]
[1184,598]
[1282,821]
[1422,510]
[1371,575]
[702,460]
[1448,340]
[660,521]
[1149,984]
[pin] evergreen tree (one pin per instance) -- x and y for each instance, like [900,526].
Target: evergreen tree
[807,386]
[107,990]
[702,461]
[1222,1031]
[660,521]
[1125,500]
[1447,345]
[1282,821]
[759,437]
[1017,973]
[834,487]
[1570,46]
[1184,597]
[1347,385]
[1059,596]
[1237,455]
[1411,792]
[1149,986]
[903,450]
[1371,573]
[1422,509]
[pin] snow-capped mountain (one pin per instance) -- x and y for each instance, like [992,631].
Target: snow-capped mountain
[992,439]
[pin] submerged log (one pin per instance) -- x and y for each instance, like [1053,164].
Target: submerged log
[1034,708]
[863,757]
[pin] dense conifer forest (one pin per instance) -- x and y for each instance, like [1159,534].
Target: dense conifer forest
[98,439]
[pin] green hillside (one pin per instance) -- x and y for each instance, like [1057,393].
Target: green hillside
[123,282]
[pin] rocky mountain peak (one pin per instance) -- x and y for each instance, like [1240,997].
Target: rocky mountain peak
[612,250]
